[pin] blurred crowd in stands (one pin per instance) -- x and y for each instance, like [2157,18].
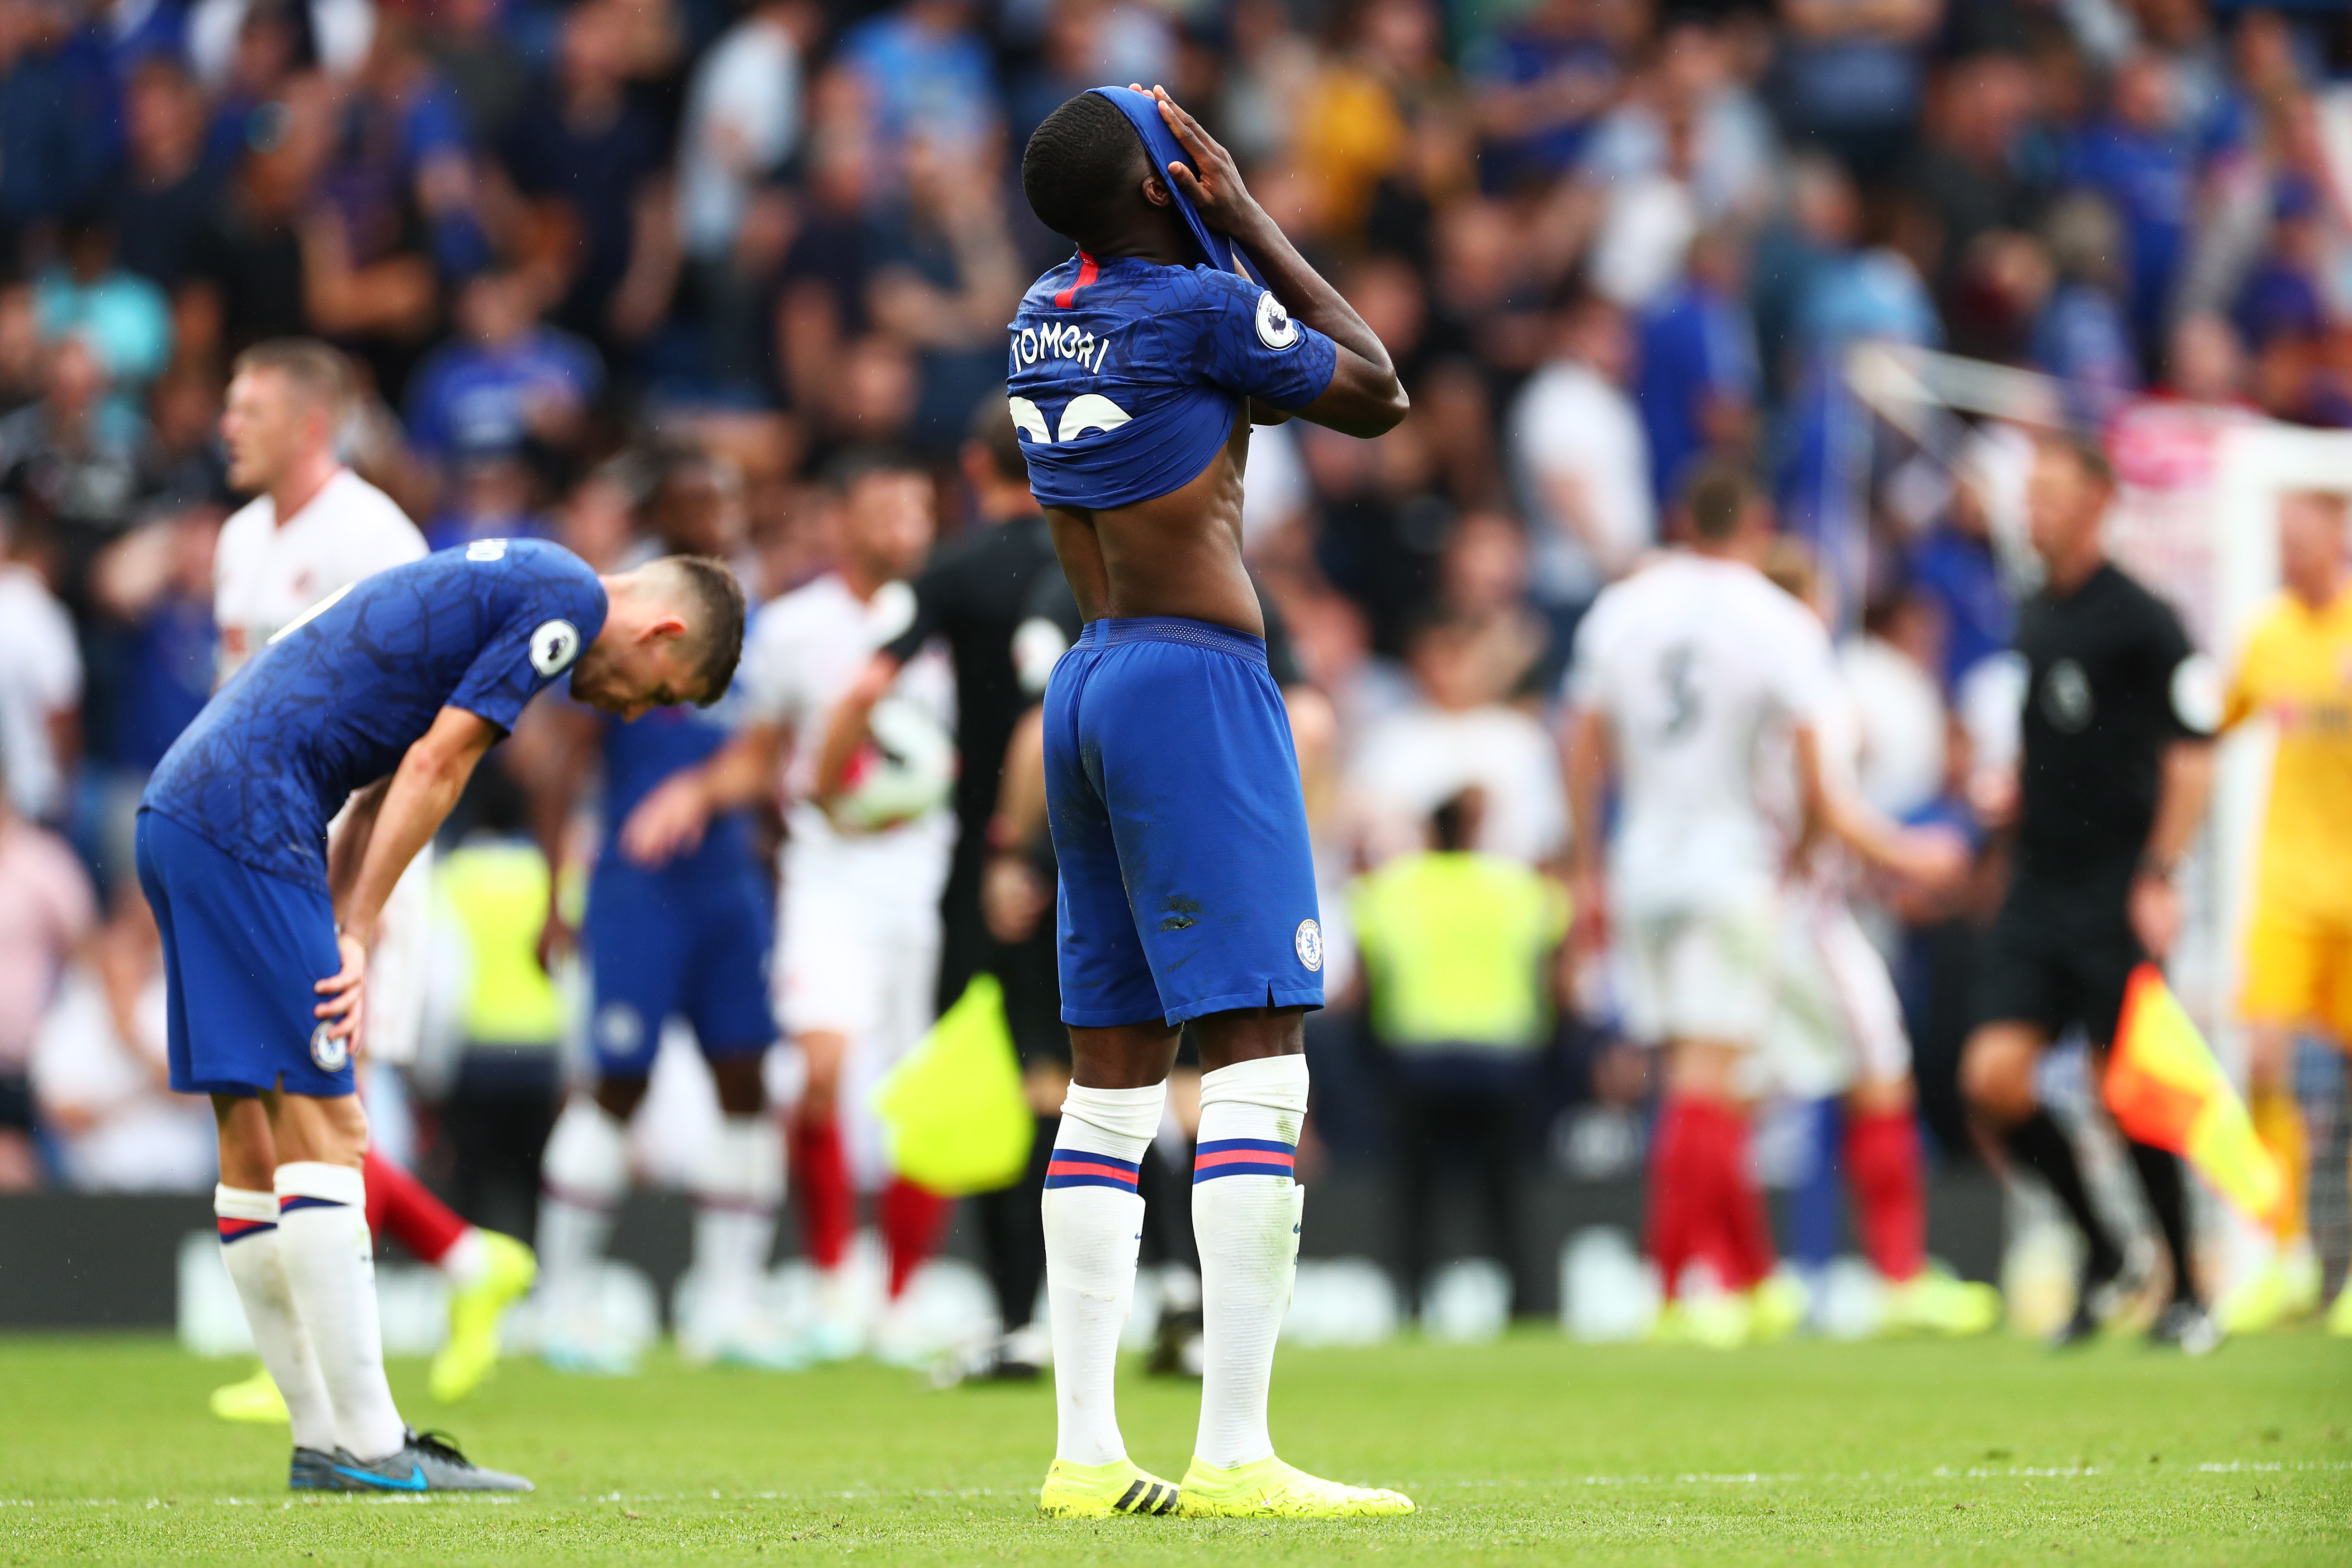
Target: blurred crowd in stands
[628,267]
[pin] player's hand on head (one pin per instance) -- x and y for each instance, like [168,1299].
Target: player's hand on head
[344,989]
[666,823]
[1216,193]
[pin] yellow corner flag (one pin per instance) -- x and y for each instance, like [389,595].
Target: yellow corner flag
[2165,1088]
[958,1120]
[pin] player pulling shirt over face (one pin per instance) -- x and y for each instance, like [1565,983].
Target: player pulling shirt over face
[1187,885]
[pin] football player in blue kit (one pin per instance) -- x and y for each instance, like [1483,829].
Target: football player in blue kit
[1187,886]
[384,694]
[688,933]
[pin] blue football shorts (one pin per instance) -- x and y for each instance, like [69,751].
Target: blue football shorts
[1171,786]
[242,950]
[660,943]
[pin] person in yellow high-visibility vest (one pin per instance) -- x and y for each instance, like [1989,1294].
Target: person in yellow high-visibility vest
[2295,670]
[492,892]
[1458,953]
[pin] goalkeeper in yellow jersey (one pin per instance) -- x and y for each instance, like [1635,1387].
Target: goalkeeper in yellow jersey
[2296,670]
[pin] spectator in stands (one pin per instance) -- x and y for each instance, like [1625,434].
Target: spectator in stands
[1698,385]
[1356,123]
[1581,461]
[246,272]
[1540,82]
[927,77]
[588,157]
[1457,732]
[743,120]
[40,677]
[470,45]
[167,185]
[101,1074]
[156,586]
[55,109]
[1971,170]
[1459,950]
[47,910]
[1955,567]
[507,380]
[122,316]
[2081,335]
[943,278]
[2137,157]
[1849,76]
[75,465]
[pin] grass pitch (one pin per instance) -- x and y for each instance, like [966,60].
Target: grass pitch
[1527,1451]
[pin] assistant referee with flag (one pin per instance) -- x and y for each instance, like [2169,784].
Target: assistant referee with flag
[2117,765]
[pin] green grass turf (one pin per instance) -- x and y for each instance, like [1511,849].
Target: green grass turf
[1527,1451]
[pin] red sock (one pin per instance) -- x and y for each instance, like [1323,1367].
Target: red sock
[828,1212]
[398,1206]
[1883,1165]
[1750,1255]
[912,1219]
[1677,1184]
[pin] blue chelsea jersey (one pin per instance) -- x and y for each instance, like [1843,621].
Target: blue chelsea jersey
[639,755]
[334,701]
[1125,376]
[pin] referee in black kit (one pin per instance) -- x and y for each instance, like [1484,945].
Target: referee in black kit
[974,593]
[2117,765]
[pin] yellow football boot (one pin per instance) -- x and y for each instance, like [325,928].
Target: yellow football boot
[1935,1302]
[475,1312]
[253,1398]
[1099,1491]
[1268,1488]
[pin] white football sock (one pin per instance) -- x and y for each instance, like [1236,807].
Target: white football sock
[1246,1207]
[582,1176]
[322,1235]
[1094,1224]
[735,1199]
[249,1244]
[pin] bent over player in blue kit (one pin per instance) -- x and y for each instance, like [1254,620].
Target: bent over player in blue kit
[1187,886]
[385,695]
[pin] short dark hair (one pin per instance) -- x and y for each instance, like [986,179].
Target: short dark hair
[1078,162]
[842,474]
[715,630]
[1715,496]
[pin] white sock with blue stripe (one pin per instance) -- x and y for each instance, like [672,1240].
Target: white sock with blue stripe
[1246,1204]
[322,1236]
[1094,1222]
[249,1244]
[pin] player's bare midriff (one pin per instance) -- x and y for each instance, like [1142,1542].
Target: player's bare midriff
[1175,554]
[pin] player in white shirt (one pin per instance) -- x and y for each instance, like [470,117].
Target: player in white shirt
[1837,1030]
[863,865]
[313,529]
[1685,675]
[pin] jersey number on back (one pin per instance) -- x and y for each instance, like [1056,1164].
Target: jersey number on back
[1088,411]
[1675,674]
